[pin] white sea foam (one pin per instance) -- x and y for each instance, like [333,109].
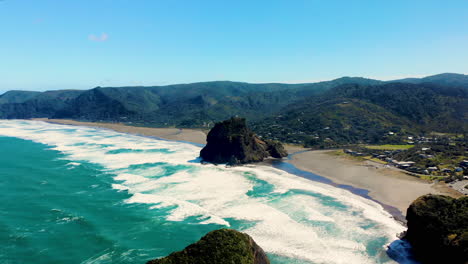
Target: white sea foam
[184,209]
[298,218]
[119,187]
[130,178]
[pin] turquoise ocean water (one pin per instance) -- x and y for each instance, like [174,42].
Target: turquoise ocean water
[82,195]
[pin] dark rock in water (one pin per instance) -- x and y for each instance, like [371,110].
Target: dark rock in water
[232,142]
[218,247]
[438,229]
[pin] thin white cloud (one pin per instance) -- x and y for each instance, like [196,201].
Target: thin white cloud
[99,38]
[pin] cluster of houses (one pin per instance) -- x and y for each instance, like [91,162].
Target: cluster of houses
[463,166]
[387,156]
[353,153]
[417,139]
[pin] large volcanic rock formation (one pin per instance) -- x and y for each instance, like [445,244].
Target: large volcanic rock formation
[217,247]
[232,142]
[438,229]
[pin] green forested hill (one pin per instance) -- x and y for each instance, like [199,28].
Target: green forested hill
[434,107]
[17,96]
[43,104]
[445,79]
[185,105]
[345,110]
[367,114]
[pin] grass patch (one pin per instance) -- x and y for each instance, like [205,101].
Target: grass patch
[431,177]
[378,161]
[336,153]
[390,147]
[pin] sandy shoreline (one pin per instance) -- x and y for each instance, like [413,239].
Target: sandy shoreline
[189,135]
[388,186]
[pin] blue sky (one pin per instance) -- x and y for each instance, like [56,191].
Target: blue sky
[47,44]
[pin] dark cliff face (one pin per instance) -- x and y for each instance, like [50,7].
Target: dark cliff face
[438,229]
[219,246]
[276,149]
[232,142]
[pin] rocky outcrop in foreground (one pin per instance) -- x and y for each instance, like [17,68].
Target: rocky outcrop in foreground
[218,247]
[438,229]
[232,142]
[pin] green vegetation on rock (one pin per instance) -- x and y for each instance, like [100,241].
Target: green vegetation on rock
[232,142]
[224,246]
[438,230]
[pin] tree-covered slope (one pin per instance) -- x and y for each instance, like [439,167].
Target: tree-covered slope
[110,104]
[345,110]
[17,96]
[43,104]
[434,107]
[445,79]
[367,114]
[191,105]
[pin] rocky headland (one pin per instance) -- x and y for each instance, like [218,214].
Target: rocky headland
[232,142]
[218,247]
[438,229]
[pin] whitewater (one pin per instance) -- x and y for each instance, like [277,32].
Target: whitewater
[295,220]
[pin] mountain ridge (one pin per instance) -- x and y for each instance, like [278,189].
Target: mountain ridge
[355,109]
[462,77]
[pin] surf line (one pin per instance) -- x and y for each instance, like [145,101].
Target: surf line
[283,165]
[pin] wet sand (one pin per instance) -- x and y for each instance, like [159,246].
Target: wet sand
[386,185]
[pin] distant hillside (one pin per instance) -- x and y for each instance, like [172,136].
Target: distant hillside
[183,105]
[445,79]
[17,96]
[345,110]
[366,114]
[33,104]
